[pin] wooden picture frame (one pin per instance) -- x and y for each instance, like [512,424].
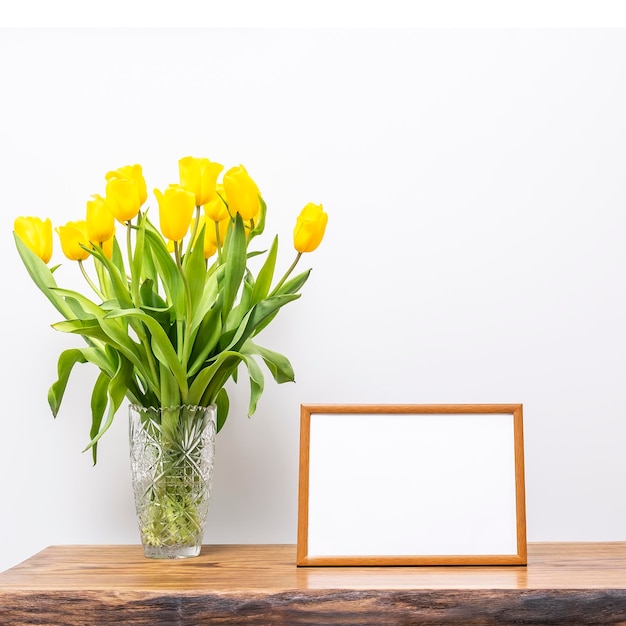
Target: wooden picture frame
[411,484]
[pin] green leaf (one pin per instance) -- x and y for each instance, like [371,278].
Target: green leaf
[266,274]
[168,271]
[137,260]
[294,284]
[65,365]
[109,305]
[290,287]
[81,306]
[223,405]
[206,339]
[150,297]
[212,378]
[67,360]
[117,259]
[104,279]
[149,270]
[117,331]
[210,295]
[42,276]
[194,267]
[231,337]
[118,283]
[262,311]
[256,382]
[154,305]
[160,343]
[276,363]
[235,264]
[259,227]
[98,406]
[108,331]
[236,315]
[116,391]
[87,328]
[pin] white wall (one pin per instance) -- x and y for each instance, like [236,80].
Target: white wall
[475,252]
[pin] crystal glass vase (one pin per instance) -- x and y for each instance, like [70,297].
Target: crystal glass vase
[172,451]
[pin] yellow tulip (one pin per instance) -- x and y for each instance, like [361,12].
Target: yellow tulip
[310,227]
[176,207]
[222,227]
[242,194]
[200,177]
[210,247]
[107,247]
[123,197]
[100,220]
[132,172]
[72,236]
[216,208]
[36,234]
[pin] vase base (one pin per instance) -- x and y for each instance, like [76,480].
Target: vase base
[169,552]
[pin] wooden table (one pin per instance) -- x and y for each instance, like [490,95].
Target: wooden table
[564,583]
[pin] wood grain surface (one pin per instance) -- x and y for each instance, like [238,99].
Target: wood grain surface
[563,583]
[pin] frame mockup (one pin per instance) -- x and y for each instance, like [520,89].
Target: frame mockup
[414,484]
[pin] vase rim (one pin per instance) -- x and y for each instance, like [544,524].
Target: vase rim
[160,409]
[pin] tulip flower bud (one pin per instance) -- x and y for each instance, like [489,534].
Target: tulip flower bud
[210,248]
[123,198]
[107,248]
[222,227]
[100,220]
[132,172]
[176,207]
[310,227]
[72,236]
[200,177]
[242,194]
[216,208]
[36,234]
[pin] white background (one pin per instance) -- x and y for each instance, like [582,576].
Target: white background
[475,251]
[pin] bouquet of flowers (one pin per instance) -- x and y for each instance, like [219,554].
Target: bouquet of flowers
[173,310]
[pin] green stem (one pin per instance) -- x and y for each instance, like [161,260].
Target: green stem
[194,231]
[183,334]
[100,273]
[281,282]
[90,282]
[134,285]
[218,243]
[144,342]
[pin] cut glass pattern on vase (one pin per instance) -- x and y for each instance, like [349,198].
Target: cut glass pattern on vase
[172,451]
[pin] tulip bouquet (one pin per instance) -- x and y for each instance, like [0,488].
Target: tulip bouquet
[174,310]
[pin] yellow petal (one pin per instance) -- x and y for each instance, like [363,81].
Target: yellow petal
[132,172]
[310,228]
[176,207]
[242,194]
[122,197]
[199,176]
[100,220]
[72,236]
[107,247]
[36,234]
